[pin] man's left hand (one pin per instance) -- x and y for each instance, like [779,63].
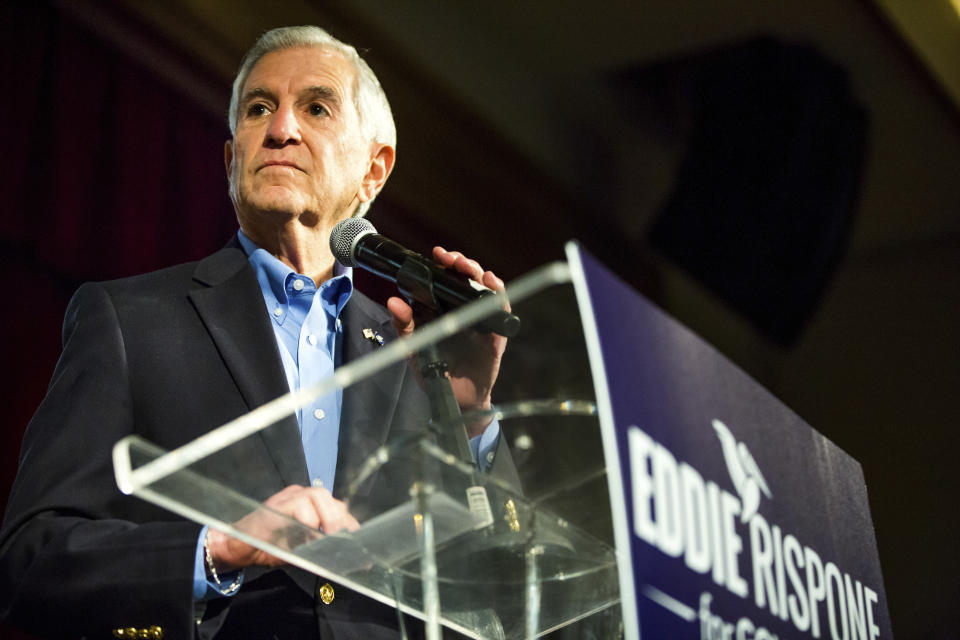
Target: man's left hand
[471,377]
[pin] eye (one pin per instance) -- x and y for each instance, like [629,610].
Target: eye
[257,109]
[317,109]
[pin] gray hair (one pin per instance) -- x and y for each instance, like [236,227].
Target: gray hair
[373,109]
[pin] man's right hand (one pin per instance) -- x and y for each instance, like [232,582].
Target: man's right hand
[313,506]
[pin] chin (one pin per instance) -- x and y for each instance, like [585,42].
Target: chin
[283,204]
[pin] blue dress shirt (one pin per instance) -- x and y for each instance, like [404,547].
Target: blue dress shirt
[306,323]
[309,333]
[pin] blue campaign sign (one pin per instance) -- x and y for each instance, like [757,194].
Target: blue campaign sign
[734,518]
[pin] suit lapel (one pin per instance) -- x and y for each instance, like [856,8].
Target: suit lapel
[231,307]
[369,405]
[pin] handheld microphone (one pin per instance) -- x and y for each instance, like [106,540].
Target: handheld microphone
[356,243]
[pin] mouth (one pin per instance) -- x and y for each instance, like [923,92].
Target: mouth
[280,163]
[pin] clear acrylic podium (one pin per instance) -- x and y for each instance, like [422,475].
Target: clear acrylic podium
[447,544]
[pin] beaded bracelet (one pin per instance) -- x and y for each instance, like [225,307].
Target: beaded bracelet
[226,591]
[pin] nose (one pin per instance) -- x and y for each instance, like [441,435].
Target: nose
[283,129]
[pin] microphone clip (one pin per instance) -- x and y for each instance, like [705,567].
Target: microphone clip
[417,283]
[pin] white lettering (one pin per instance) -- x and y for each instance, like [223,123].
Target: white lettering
[857,619]
[695,523]
[871,600]
[761,550]
[781,578]
[641,446]
[704,615]
[816,587]
[799,611]
[713,627]
[716,533]
[666,500]
[730,509]
[836,596]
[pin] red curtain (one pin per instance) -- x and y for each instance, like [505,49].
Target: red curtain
[108,171]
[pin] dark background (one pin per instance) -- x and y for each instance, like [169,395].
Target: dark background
[781,177]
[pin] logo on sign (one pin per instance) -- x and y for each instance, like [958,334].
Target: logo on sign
[744,472]
[682,515]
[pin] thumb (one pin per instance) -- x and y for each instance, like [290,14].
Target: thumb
[402,316]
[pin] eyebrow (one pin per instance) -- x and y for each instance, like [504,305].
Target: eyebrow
[256,92]
[324,93]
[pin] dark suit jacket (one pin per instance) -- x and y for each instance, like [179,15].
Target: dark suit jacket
[170,355]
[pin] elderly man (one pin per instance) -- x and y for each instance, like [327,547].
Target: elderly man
[172,354]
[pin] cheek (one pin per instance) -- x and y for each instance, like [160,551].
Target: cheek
[243,160]
[243,150]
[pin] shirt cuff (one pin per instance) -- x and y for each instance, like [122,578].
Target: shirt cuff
[484,445]
[203,588]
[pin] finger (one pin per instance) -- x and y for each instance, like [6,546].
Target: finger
[297,502]
[468,267]
[306,512]
[316,508]
[304,508]
[402,316]
[337,520]
[459,262]
[333,514]
[451,259]
[491,281]
[444,257]
[463,264]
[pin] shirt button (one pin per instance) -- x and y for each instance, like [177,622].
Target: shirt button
[312,339]
[298,284]
[319,414]
[490,457]
[339,323]
[278,312]
[317,482]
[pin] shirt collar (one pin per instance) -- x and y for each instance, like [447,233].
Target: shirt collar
[272,274]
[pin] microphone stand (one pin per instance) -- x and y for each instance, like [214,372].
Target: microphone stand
[415,281]
[444,410]
[491,542]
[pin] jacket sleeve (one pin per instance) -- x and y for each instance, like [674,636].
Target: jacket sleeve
[77,557]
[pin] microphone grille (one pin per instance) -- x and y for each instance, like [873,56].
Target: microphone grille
[344,237]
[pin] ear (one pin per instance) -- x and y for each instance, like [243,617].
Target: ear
[228,156]
[381,164]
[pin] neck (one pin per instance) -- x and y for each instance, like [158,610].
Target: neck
[305,248]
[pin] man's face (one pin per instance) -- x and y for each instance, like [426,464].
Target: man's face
[298,148]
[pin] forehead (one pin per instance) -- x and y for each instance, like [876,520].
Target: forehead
[299,67]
